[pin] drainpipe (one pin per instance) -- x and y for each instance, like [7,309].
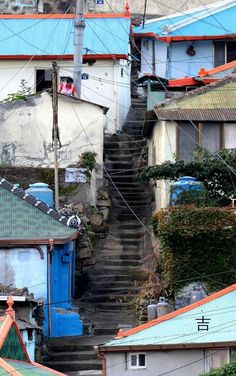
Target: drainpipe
[51,245]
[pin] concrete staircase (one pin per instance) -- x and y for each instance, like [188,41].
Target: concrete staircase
[107,305]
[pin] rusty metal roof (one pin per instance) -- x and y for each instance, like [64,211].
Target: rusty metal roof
[215,102]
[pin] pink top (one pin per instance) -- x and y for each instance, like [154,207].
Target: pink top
[65,88]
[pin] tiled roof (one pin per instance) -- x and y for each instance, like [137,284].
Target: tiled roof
[23,216]
[181,327]
[14,358]
[53,35]
[28,369]
[214,102]
[208,20]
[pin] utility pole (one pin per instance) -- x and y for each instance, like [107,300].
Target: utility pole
[55,130]
[79,26]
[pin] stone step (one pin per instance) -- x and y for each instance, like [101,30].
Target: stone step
[124,178]
[112,278]
[108,256]
[64,366]
[75,343]
[128,150]
[117,157]
[145,194]
[100,316]
[134,204]
[127,184]
[114,306]
[113,171]
[73,355]
[113,285]
[121,263]
[105,331]
[127,142]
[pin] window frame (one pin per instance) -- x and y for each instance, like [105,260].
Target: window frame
[199,126]
[211,352]
[137,366]
[226,60]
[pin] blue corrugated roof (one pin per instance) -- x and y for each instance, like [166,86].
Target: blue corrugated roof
[215,19]
[183,328]
[54,36]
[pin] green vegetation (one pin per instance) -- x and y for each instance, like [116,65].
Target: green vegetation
[196,243]
[22,93]
[227,370]
[88,160]
[211,169]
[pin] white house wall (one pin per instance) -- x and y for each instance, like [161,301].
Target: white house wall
[230,136]
[26,132]
[161,50]
[105,85]
[172,362]
[123,80]
[146,56]
[181,64]
[162,147]
[23,267]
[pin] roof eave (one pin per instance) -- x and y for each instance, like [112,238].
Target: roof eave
[40,241]
[86,57]
[160,347]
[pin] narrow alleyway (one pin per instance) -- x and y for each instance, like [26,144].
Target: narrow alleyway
[107,305]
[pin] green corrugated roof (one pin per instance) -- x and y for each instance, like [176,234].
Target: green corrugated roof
[220,95]
[218,315]
[27,369]
[20,220]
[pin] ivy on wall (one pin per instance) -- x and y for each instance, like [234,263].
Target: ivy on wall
[197,242]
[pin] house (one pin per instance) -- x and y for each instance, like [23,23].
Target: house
[189,341]
[37,252]
[181,44]
[29,44]
[14,358]
[205,116]
[156,89]
[81,129]
[25,308]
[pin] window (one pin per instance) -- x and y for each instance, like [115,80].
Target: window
[136,360]
[224,52]
[216,358]
[187,140]
[207,135]
[43,79]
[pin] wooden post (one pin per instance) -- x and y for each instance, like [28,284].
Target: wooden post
[55,131]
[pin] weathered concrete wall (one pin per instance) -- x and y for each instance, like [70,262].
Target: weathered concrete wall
[26,131]
[14,261]
[154,8]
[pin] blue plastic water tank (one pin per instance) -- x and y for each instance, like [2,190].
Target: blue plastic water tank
[42,192]
[184,183]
